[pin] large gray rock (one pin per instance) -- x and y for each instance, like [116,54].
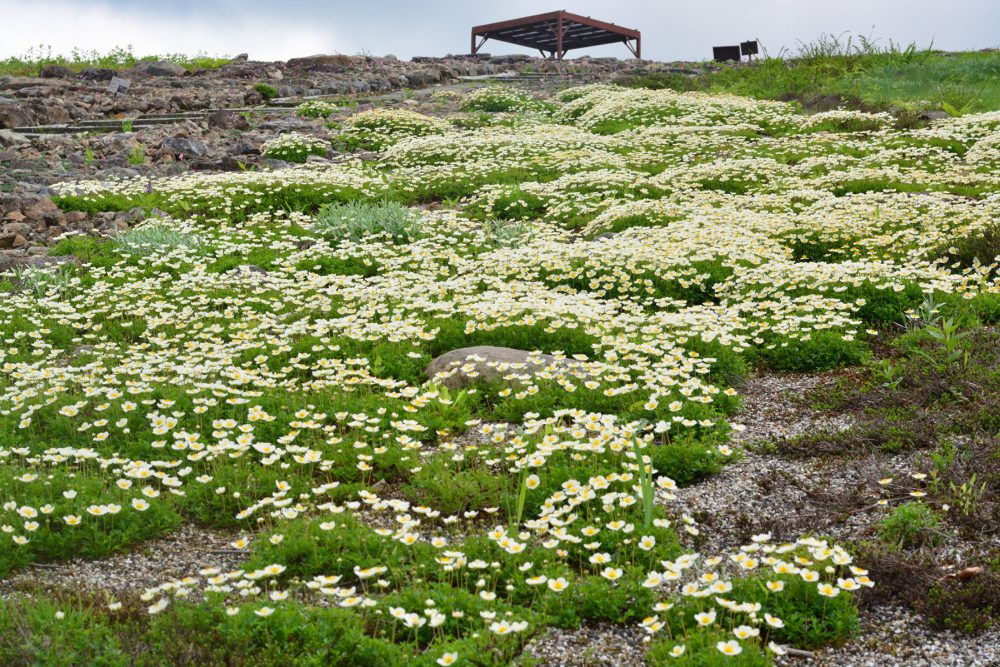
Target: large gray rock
[185,146]
[11,138]
[228,120]
[485,363]
[158,68]
[97,73]
[55,72]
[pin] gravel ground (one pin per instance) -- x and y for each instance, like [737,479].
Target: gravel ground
[589,646]
[149,564]
[897,637]
[788,497]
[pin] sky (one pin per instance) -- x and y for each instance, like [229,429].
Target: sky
[283,29]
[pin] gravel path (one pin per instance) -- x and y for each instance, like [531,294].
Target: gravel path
[149,564]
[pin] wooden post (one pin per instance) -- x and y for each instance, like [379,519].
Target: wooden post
[559,38]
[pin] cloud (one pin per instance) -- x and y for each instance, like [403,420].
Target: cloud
[281,29]
[266,35]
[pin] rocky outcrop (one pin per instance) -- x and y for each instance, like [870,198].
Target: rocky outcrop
[486,363]
[60,95]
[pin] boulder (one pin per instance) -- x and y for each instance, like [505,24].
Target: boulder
[934,115]
[484,363]
[158,68]
[228,120]
[55,72]
[185,146]
[11,138]
[321,60]
[97,74]
[14,115]
[12,261]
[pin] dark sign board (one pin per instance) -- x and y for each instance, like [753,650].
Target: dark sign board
[723,53]
[749,48]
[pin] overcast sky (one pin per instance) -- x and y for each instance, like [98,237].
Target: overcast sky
[282,29]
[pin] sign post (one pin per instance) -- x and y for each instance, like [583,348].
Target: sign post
[118,85]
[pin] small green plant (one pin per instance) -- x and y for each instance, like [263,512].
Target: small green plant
[508,232]
[127,124]
[948,334]
[926,315]
[153,239]
[645,473]
[88,155]
[967,497]
[41,281]
[357,220]
[911,525]
[889,373]
[267,91]
[137,155]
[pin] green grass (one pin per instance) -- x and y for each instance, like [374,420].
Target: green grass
[117,58]
[860,72]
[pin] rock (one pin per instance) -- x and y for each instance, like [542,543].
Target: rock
[12,239]
[158,68]
[14,115]
[321,60]
[8,262]
[11,138]
[117,172]
[228,120]
[55,72]
[178,146]
[243,147]
[249,268]
[230,163]
[275,165]
[97,74]
[484,363]
[27,82]
[934,115]
[243,57]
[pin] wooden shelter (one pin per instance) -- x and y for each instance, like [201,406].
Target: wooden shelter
[555,33]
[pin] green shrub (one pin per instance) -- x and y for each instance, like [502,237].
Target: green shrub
[154,239]
[970,607]
[497,98]
[982,246]
[376,129]
[822,351]
[267,91]
[357,220]
[911,525]
[294,147]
